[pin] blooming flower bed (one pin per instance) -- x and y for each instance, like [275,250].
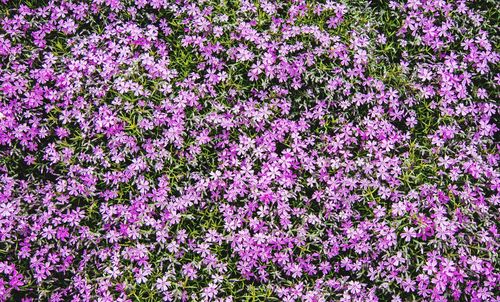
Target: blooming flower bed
[249,150]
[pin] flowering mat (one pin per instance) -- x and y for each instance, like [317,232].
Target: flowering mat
[225,150]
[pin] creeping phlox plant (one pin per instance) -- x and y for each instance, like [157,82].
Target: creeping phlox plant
[177,150]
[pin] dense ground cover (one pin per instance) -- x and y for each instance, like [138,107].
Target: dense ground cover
[249,150]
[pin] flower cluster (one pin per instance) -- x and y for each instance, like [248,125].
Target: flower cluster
[249,150]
